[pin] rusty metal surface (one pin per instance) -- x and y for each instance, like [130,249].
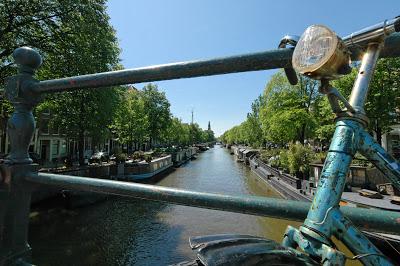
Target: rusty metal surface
[380,158]
[15,195]
[249,62]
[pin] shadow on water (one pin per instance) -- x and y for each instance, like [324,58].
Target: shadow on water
[116,232]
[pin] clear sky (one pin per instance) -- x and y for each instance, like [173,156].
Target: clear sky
[164,31]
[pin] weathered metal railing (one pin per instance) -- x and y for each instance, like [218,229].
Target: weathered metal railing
[19,177]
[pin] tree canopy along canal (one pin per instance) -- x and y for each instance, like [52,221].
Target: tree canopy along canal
[319,54]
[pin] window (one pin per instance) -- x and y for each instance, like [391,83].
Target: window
[44,126]
[55,146]
[63,148]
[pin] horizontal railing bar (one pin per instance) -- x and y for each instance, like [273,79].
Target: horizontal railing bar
[280,58]
[390,49]
[249,62]
[371,219]
[371,33]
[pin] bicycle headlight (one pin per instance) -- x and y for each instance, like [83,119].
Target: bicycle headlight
[321,54]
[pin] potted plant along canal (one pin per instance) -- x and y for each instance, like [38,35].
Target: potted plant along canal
[294,160]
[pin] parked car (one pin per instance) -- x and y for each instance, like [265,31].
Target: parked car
[99,157]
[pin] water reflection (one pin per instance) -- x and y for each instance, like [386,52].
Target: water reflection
[138,232]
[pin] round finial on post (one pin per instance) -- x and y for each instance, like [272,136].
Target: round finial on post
[20,91]
[27,59]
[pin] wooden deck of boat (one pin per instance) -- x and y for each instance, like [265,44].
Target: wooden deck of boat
[284,189]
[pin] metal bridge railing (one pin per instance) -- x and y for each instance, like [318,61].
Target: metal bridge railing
[19,176]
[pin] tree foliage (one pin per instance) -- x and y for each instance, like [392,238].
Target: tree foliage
[289,114]
[144,115]
[250,131]
[157,109]
[382,101]
[178,133]
[87,45]
[75,37]
[34,23]
[131,122]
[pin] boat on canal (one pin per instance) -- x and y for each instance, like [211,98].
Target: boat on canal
[293,188]
[135,171]
[182,156]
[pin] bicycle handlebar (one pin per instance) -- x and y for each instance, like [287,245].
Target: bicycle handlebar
[371,33]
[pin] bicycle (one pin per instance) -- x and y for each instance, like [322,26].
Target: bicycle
[320,54]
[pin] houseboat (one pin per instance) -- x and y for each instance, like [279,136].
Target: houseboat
[142,170]
[292,188]
[182,156]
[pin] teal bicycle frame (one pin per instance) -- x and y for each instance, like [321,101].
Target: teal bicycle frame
[19,177]
[324,218]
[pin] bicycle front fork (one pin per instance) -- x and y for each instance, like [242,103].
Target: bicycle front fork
[324,218]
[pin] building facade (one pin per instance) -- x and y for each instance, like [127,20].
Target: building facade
[391,141]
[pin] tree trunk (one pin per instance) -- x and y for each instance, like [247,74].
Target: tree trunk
[302,134]
[4,135]
[81,148]
[81,135]
[378,132]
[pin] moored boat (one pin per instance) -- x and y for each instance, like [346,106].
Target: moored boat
[144,170]
[387,243]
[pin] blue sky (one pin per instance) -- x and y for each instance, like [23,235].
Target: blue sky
[164,31]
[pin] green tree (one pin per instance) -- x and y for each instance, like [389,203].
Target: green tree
[178,133]
[209,135]
[35,23]
[381,101]
[252,125]
[131,123]
[233,136]
[196,134]
[288,114]
[158,112]
[325,120]
[249,132]
[89,47]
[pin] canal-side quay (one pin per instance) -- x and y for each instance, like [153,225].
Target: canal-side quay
[293,188]
[131,170]
[138,232]
[382,196]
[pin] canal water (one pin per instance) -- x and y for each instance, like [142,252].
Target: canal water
[138,232]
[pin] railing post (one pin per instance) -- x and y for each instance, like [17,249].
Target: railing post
[15,192]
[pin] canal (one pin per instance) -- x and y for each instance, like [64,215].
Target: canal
[138,232]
